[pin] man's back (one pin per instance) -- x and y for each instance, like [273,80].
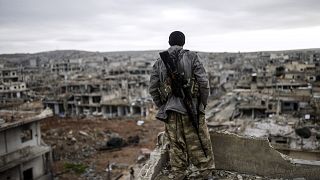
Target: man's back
[189,65]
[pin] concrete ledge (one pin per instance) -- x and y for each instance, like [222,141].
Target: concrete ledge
[45,177]
[22,155]
[43,115]
[256,156]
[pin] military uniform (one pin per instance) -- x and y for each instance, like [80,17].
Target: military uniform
[185,151]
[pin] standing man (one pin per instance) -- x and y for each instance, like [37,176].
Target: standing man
[179,88]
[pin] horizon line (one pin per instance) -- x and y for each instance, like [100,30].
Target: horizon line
[92,51]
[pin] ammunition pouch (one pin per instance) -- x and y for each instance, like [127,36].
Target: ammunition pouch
[194,88]
[165,90]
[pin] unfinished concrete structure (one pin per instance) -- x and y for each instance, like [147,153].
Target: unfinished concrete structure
[119,92]
[66,66]
[12,88]
[23,155]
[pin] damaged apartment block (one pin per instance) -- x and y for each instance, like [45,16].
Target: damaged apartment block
[12,88]
[120,93]
[23,155]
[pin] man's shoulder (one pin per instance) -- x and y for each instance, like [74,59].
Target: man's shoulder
[190,54]
[157,62]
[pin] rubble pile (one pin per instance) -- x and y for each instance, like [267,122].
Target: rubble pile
[285,131]
[84,142]
[64,143]
[99,143]
[216,175]
[222,174]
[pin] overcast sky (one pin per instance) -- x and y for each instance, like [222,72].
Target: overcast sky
[209,25]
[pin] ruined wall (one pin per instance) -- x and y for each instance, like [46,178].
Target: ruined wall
[13,137]
[2,144]
[256,156]
[37,165]
[13,173]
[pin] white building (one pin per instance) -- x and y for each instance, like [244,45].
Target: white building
[23,156]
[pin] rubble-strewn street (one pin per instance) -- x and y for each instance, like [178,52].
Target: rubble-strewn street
[102,119]
[84,141]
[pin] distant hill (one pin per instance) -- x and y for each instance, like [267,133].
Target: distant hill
[60,54]
[21,58]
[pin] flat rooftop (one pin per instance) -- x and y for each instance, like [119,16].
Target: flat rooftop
[10,119]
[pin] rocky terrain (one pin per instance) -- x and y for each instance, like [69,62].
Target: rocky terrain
[87,148]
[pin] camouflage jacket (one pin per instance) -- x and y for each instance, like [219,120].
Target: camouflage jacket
[190,65]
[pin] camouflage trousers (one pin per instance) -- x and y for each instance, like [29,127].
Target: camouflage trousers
[185,152]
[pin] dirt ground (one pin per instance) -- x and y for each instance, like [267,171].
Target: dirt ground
[77,142]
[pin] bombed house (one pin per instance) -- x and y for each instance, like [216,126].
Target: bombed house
[106,98]
[23,154]
[278,102]
[115,92]
[13,90]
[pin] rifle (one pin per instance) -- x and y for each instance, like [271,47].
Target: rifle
[182,88]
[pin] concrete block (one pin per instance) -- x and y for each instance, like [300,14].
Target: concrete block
[257,156]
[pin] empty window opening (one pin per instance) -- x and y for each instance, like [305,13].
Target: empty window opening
[26,134]
[270,106]
[28,174]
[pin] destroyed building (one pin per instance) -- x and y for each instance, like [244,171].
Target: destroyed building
[279,102]
[65,66]
[118,92]
[12,87]
[23,154]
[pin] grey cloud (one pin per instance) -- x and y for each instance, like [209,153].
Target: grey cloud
[75,39]
[260,14]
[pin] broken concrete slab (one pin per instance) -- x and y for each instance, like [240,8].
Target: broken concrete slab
[257,156]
